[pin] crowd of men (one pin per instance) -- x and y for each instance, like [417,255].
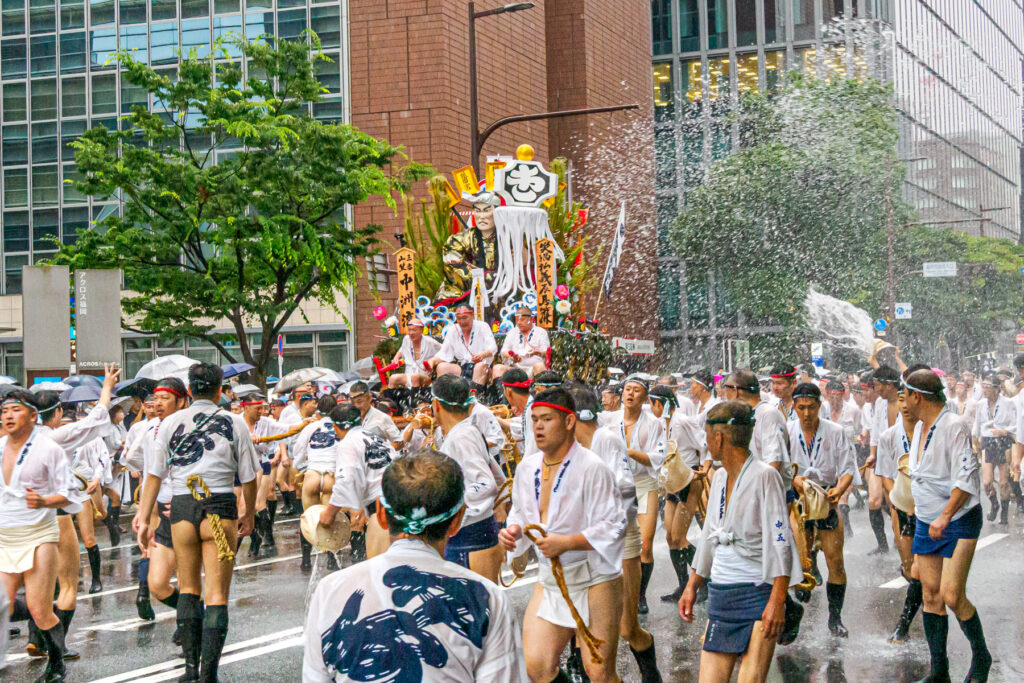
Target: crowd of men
[441,491]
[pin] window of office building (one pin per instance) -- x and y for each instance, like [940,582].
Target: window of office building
[332,349]
[719,70]
[14,361]
[664,97]
[666,219]
[746,73]
[697,309]
[669,296]
[746,23]
[803,19]
[689,26]
[774,21]
[661,26]
[379,272]
[665,157]
[693,80]
[718,24]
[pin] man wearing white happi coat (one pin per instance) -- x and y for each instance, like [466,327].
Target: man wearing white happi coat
[362,458]
[824,456]
[746,551]
[409,615]
[36,481]
[644,435]
[571,494]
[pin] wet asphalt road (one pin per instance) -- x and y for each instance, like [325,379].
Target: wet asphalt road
[268,596]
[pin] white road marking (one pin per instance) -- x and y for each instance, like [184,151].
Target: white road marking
[295,641]
[900,582]
[131,624]
[161,669]
[133,544]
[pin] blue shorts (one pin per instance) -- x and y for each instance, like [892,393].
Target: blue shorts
[733,609]
[968,526]
[477,536]
[265,466]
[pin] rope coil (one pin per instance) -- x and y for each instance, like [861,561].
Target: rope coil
[224,552]
[592,642]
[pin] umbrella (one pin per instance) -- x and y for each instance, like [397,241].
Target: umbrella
[233,369]
[296,378]
[246,389]
[139,387]
[78,380]
[7,379]
[7,388]
[166,366]
[80,394]
[49,386]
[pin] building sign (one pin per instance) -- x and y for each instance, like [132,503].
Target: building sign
[904,311]
[940,269]
[97,317]
[46,318]
[637,347]
[405,260]
[545,282]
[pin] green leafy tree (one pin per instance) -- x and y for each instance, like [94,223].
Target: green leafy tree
[244,238]
[799,204]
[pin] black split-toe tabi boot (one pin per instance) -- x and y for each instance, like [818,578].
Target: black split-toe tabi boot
[836,593]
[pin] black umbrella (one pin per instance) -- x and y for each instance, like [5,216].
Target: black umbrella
[139,387]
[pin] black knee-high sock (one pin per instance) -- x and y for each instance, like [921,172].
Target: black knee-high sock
[94,561]
[272,509]
[172,599]
[913,601]
[190,626]
[54,639]
[979,648]
[20,610]
[878,526]
[1015,489]
[646,569]
[679,565]
[936,631]
[215,632]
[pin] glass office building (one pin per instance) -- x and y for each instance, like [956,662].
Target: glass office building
[956,71]
[58,79]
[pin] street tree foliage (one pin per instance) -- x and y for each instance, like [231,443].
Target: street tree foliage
[799,204]
[242,240]
[806,201]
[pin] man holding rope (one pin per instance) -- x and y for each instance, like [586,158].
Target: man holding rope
[565,500]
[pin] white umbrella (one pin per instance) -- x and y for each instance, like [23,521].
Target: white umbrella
[6,379]
[296,378]
[49,386]
[166,366]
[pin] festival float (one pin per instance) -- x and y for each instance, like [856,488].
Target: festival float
[507,240]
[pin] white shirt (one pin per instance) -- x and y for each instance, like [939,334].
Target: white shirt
[827,458]
[1020,417]
[945,462]
[608,445]
[891,447]
[965,409]
[76,434]
[484,420]
[132,456]
[267,426]
[521,344]
[607,418]
[689,437]
[409,615]
[91,460]
[43,467]
[413,361]
[849,418]
[647,437]
[378,423]
[584,499]
[316,445]
[749,540]
[457,348]
[221,450]
[362,459]
[770,439]
[480,473]
[880,419]
[976,391]
[1003,416]
[148,439]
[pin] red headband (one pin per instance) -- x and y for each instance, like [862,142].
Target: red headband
[251,403]
[168,390]
[545,404]
[525,384]
[784,375]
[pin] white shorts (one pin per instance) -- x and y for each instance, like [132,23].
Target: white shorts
[18,544]
[632,541]
[578,579]
[644,486]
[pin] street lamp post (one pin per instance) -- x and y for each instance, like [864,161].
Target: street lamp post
[478,138]
[474,113]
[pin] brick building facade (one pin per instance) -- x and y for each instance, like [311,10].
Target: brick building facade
[409,84]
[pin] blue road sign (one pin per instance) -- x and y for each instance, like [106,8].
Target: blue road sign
[880,324]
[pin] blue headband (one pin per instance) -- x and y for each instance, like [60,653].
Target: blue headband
[911,387]
[460,406]
[417,521]
[16,401]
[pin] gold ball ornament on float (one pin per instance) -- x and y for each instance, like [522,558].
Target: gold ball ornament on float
[524,152]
